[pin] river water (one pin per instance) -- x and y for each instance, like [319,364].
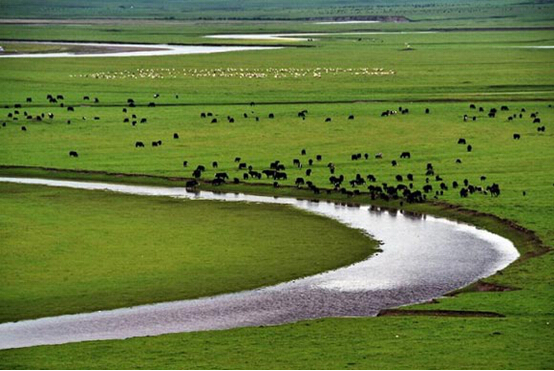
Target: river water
[422,257]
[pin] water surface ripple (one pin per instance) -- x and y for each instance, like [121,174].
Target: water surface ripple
[422,258]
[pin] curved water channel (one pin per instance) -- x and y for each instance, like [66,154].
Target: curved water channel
[308,35]
[422,258]
[128,50]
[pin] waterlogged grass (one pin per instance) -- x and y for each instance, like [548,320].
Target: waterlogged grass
[68,251]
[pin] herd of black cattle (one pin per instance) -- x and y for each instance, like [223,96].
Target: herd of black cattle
[276,169]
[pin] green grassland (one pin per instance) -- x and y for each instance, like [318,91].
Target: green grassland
[439,13]
[444,72]
[69,251]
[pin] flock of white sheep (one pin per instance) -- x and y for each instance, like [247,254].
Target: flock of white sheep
[241,73]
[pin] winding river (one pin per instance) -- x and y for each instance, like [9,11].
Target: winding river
[129,50]
[422,258]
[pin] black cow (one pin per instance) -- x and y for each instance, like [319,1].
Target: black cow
[191,184]
[203,115]
[537,121]
[29,100]
[310,162]
[237,159]
[303,152]
[405,155]
[517,136]
[469,148]
[185,163]
[151,104]
[139,144]
[458,161]
[214,121]
[143,120]
[197,173]
[351,117]
[86,97]
[242,166]
[280,175]
[296,162]
[218,181]
[394,163]
[410,177]
[23,128]
[201,168]
[70,109]
[214,164]
[175,136]
[299,182]
[308,172]
[271,115]
[222,175]
[399,178]
[269,173]
[461,141]
[73,154]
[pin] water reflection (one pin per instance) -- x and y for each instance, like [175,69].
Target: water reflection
[421,258]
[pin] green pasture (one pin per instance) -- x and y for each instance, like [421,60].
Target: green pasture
[444,72]
[68,251]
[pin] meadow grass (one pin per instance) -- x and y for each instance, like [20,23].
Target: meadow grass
[69,251]
[445,73]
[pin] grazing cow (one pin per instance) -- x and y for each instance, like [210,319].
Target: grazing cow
[231,120]
[271,115]
[483,178]
[308,172]
[96,118]
[461,141]
[410,177]
[197,173]
[203,115]
[458,161]
[185,163]
[201,168]
[296,162]
[504,108]
[191,184]
[175,136]
[214,121]
[242,166]
[328,119]
[366,155]
[463,192]
[378,155]
[427,110]
[472,106]
[438,178]
[469,148]
[541,128]
[454,184]
[86,97]
[70,109]
[237,159]
[96,100]
[29,100]
[269,173]
[427,188]
[405,155]
[214,164]
[209,114]
[394,163]
[303,152]
[255,174]
[73,154]
[280,175]
[126,119]
[245,115]
[156,95]
[310,162]
[143,120]
[23,128]
[299,182]
[245,176]
[218,181]
[50,115]
[154,144]
[222,175]
[537,121]
[151,104]
[517,136]
[399,178]
[351,117]
[236,180]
